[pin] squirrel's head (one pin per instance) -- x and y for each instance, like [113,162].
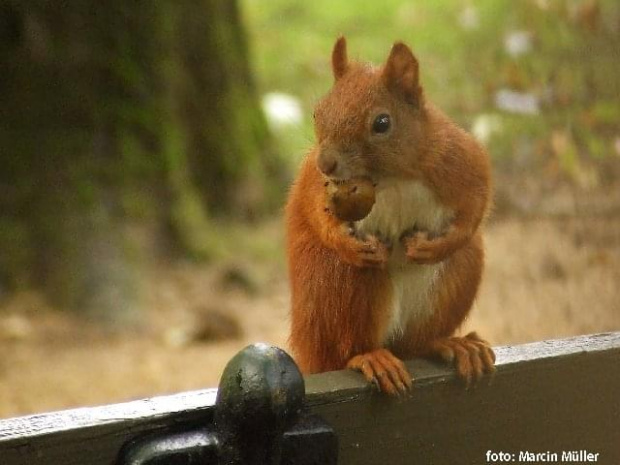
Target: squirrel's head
[371,122]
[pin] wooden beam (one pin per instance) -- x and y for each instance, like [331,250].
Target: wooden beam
[550,397]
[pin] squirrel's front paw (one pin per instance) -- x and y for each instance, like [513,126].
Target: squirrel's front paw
[383,369]
[422,249]
[370,252]
[471,355]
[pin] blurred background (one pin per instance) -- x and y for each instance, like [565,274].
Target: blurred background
[146,148]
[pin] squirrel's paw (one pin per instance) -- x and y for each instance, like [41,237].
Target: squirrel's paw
[422,249]
[471,355]
[370,252]
[383,369]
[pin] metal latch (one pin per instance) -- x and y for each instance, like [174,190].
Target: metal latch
[259,419]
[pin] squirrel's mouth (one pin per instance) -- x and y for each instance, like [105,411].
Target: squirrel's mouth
[342,180]
[366,178]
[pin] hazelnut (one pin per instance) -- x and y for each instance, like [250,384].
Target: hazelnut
[350,200]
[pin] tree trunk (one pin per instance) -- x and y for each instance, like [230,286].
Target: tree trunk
[101,124]
[228,145]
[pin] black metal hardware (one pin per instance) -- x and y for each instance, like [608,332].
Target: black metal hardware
[258,419]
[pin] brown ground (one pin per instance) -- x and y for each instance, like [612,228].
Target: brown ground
[545,278]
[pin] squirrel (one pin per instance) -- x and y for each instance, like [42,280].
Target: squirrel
[399,282]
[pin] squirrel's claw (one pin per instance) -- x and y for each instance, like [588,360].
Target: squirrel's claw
[471,355]
[370,253]
[422,249]
[382,368]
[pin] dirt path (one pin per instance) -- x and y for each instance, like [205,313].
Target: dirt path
[544,279]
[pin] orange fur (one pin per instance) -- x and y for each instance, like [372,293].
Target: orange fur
[342,283]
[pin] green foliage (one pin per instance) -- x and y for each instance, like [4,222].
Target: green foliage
[571,69]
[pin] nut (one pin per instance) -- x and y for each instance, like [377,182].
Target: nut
[350,200]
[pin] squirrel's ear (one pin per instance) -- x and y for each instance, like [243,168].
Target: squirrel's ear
[401,74]
[339,58]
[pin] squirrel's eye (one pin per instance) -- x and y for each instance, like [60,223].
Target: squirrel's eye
[381,124]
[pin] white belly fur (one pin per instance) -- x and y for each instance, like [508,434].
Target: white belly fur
[400,207]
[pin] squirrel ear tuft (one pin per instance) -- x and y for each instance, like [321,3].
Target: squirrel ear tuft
[339,58]
[401,74]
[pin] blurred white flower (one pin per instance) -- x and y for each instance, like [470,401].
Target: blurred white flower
[282,110]
[517,102]
[518,42]
[617,145]
[469,18]
[485,125]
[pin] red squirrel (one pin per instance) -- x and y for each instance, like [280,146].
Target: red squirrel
[399,282]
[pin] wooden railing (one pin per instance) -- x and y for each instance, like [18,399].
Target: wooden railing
[553,401]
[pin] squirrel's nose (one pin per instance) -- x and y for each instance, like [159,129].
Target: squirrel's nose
[327,163]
